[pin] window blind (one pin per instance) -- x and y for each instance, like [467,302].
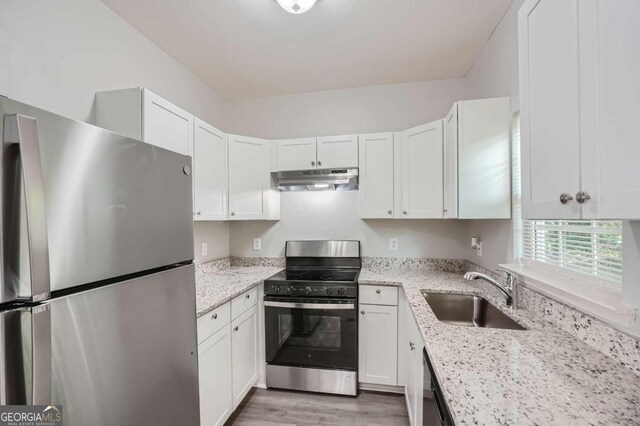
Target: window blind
[588,247]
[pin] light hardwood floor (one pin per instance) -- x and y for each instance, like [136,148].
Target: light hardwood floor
[276,407]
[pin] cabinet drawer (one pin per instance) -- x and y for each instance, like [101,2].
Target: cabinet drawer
[242,303]
[379,295]
[210,323]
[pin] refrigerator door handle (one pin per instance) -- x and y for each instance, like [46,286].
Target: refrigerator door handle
[23,131]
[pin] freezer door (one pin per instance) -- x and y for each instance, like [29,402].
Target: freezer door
[99,206]
[123,354]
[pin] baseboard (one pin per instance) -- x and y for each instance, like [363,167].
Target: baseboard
[381,388]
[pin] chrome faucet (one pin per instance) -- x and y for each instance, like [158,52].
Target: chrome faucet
[508,291]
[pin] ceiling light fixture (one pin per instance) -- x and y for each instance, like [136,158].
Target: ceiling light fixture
[296,6]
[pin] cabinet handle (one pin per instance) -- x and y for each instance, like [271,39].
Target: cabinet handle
[247,296]
[412,346]
[565,198]
[214,316]
[313,163]
[582,197]
[378,291]
[404,212]
[233,213]
[362,312]
[198,212]
[389,211]
[235,328]
[319,163]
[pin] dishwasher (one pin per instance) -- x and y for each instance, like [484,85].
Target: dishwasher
[434,409]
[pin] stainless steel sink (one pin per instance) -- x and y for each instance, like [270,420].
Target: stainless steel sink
[468,310]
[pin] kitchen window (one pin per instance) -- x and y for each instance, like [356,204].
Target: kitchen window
[589,250]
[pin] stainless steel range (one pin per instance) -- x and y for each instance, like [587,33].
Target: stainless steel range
[311,321]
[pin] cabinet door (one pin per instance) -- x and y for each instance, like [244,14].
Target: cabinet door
[416,359]
[484,160]
[376,176]
[248,177]
[165,125]
[337,152]
[422,171]
[549,99]
[210,172]
[378,338]
[296,154]
[451,163]
[214,359]
[610,106]
[244,349]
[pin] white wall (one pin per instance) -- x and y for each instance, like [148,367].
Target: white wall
[56,54]
[334,215]
[495,73]
[334,112]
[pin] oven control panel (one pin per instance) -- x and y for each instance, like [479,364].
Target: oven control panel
[310,289]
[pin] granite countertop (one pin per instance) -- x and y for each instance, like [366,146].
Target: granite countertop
[492,376]
[220,286]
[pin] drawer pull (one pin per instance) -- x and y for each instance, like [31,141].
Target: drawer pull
[235,328]
[214,316]
[247,296]
[378,291]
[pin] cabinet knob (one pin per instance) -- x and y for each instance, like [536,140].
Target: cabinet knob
[412,346]
[565,198]
[389,212]
[319,163]
[198,212]
[247,296]
[214,316]
[404,212]
[362,312]
[378,291]
[313,163]
[235,328]
[582,197]
[233,213]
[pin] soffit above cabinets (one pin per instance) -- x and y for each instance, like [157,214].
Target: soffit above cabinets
[246,49]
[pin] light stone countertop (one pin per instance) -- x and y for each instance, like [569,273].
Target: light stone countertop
[492,376]
[221,285]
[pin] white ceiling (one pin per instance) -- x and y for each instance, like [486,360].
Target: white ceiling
[253,48]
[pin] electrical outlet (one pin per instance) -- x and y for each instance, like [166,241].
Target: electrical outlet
[479,250]
[257,244]
[393,244]
[204,249]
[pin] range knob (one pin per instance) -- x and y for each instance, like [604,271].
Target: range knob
[341,291]
[329,291]
[277,289]
[307,290]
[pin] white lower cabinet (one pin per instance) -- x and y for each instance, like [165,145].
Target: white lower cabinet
[227,357]
[214,359]
[413,386]
[244,350]
[378,353]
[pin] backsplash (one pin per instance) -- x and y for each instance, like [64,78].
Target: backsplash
[277,262]
[212,266]
[446,265]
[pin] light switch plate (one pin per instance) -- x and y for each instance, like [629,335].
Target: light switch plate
[393,244]
[257,244]
[204,249]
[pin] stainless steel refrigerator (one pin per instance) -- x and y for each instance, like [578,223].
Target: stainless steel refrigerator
[97,299]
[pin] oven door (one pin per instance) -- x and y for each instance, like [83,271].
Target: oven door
[311,333]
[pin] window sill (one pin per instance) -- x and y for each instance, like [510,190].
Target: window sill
[599,302]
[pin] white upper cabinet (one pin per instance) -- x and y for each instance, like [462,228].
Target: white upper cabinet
[484,159]
[249,176]
[337,152]
[579,101]
[296,154]
[422,172]
[451,163]
[376,176]
[328,152]
[141,114]
[210,172]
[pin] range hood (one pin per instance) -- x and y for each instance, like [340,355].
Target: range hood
[318,180]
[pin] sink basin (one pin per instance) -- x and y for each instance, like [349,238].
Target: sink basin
[468,310]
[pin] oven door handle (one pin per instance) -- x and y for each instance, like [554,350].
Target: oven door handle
[296,305]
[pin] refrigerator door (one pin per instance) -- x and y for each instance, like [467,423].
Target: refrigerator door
[100,206]
[121,354]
